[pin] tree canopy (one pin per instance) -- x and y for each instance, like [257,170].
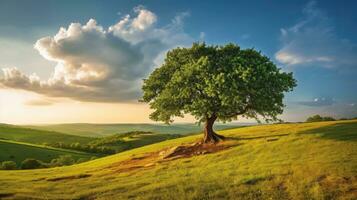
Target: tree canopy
[318,118]
[220,82]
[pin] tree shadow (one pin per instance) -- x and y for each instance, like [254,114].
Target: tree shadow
[268,137]
[346,131]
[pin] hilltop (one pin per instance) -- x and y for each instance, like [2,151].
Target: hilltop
[281,161]
[35,136]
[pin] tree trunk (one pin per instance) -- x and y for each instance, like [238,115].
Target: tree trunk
[209,135]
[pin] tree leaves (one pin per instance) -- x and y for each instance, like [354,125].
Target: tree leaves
[221,80]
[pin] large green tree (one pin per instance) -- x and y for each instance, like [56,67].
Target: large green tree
[216,83]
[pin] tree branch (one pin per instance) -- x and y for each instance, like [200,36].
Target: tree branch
[241,112]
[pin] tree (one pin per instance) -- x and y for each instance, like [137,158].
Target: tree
[318,118]
[62,161]
[216,83]
[8,165]
[31,163]
[315,118]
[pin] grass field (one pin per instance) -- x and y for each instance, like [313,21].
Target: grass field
[18,143]
[19,151]
[284,161]
[131,140]
[18,133]
[12,137]
[102,130]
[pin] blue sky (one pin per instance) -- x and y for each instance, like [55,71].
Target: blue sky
[316,40]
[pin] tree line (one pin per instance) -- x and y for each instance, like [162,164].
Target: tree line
[31,163]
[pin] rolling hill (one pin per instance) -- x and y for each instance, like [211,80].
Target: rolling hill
[34,136]
[282,161]
[19,151]
[131,140]
[18,143]
[102,130]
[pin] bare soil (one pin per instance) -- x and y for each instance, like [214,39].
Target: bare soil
[182,151]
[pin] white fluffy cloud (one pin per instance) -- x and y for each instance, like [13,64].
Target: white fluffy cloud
[101,64]
[313,41]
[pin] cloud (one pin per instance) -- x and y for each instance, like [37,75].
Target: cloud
[313,40]
[39,102]
[94,63]
[323,101]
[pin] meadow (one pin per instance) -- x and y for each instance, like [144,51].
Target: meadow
[18,143]
[35,136]
[281,161]
[19,151]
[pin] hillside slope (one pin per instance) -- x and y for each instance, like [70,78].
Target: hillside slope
[285,161]
[19,151]
[125,141]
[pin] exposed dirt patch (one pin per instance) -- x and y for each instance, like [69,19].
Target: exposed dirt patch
[349,184]
[39,179]
[6,195]
[182,151]
[78,176]
[135,163]
[256,180]
[272,139]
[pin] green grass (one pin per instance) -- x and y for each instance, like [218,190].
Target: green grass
[19,151]
[118,142]
[284,161]
[18,133]
[102,130]
[131,140]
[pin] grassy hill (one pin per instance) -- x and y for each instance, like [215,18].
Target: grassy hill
[102,130]
[13,137]
[19,151]
[21,134]
[131,140]
[284,161]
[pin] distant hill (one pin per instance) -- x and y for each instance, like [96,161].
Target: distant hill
[29,135]
[102,130]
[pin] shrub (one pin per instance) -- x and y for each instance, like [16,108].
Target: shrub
[318,118]
[31,163]
[8,165]
[62,160]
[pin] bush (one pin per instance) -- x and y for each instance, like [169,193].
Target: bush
[62,161]
[8,165]
[318,118]
[31,163]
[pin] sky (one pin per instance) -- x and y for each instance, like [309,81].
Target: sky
[84,61]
